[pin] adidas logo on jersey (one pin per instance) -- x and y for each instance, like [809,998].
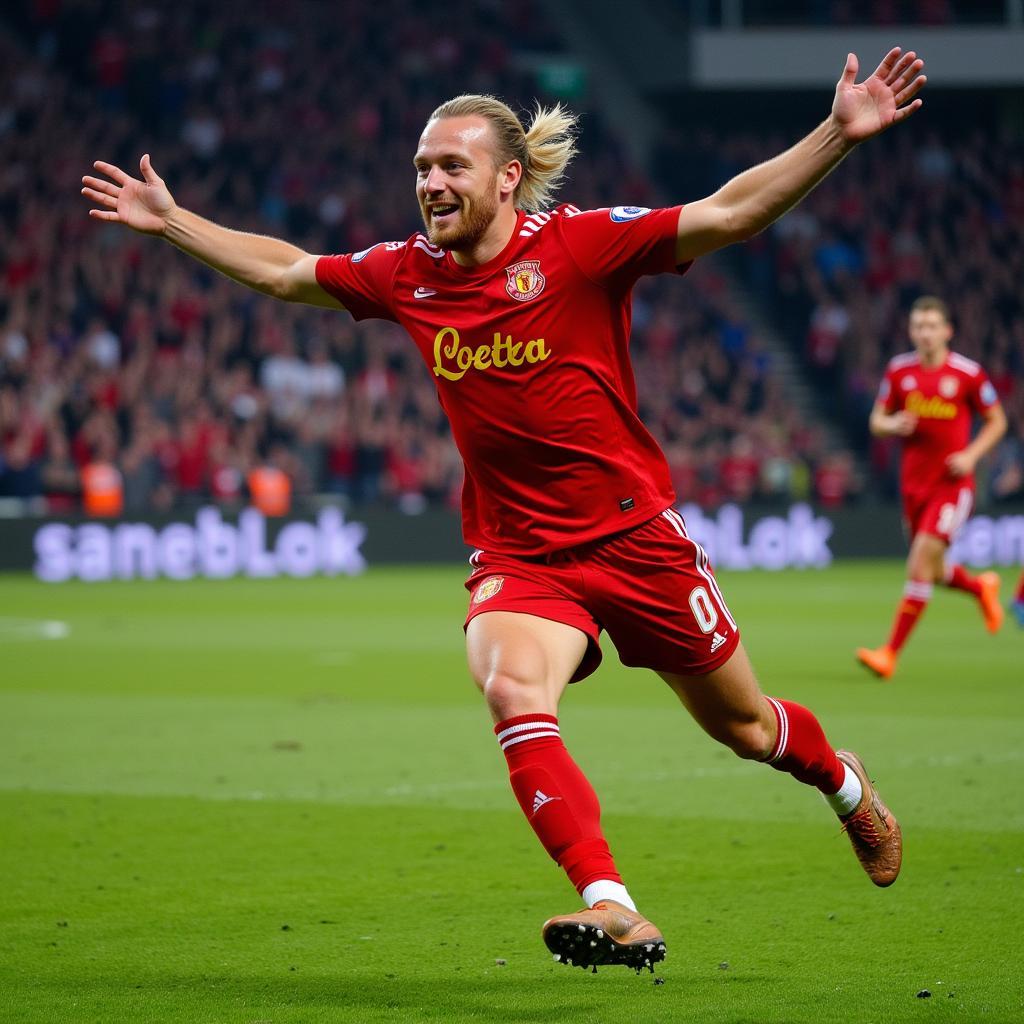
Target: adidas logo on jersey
[540,799]
[716,641]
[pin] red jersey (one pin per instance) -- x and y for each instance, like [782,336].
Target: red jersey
[529,353]
[944,399]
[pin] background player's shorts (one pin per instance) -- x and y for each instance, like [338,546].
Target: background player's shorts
[940,512]
[650,588]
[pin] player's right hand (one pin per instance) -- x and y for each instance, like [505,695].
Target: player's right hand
[143,205]
[903,423]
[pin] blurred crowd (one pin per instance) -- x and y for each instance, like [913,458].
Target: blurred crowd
[118,352]
[923,214]
[872,12]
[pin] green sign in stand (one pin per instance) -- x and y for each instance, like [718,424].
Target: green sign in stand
[562,78]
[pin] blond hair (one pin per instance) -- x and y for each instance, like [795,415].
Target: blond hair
[929,304]
[544,149]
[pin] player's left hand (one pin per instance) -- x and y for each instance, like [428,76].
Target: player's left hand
[960,464]
[883,99]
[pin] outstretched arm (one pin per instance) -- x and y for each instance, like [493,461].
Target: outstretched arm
[756,198]
[268,265]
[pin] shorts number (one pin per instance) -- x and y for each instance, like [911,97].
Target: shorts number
[703,610]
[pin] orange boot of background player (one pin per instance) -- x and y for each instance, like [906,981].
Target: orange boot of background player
[991,609]
[880,660]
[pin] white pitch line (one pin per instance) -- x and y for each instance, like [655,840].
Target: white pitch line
[33,629]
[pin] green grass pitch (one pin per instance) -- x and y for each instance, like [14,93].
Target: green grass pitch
[250,802]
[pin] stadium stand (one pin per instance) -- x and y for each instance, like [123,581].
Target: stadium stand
[933,214]
[115,349]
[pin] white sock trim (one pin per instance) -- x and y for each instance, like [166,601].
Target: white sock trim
[604,889]
[918,590]
[782,739]
[849,795]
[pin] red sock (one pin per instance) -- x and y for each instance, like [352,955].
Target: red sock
[1020,589]
[915,599]
[559,803]
[802,749]
[959,578]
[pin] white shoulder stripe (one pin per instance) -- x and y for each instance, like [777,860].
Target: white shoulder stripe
[430,250]
[535,221]
[968,366]
[906,359]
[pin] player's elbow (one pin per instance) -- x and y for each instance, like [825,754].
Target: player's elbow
[297,282]
[999,421]
[280,285]
[736,224]
[878,425]
[283,283]
[745,220]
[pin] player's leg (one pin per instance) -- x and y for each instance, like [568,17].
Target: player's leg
[728,704]
[953,511]
[984,588]
[925,567]
[522,664]
[654,591]
[1018,602]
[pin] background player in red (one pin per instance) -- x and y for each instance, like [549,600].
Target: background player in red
[1017,604]
[928,398]
[521,313]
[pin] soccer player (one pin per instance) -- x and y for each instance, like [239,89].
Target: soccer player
[521,311]
[928,398]
[1017,604]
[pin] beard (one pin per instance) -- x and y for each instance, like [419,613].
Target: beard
[471,223]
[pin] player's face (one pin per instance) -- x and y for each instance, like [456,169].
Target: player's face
[930,332]
[457,183]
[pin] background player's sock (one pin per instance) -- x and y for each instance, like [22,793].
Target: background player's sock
[802,749]
[958,578]
[916,596]
[558,801]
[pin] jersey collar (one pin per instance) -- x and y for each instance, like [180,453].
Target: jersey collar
[485,269]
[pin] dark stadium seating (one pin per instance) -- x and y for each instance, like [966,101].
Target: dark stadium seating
[117,348]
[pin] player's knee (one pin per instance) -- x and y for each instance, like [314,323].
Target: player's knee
[510,693]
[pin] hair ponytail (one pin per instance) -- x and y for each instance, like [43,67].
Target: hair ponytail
[544,149]
[550,145]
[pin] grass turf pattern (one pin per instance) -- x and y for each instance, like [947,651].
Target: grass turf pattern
[245,802]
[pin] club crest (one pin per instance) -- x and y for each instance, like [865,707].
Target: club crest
[525,281]
[948,387]
[488,588]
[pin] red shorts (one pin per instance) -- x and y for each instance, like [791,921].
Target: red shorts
[651,588]
[939,512]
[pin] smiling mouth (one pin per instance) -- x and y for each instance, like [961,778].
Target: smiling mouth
[443,211]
